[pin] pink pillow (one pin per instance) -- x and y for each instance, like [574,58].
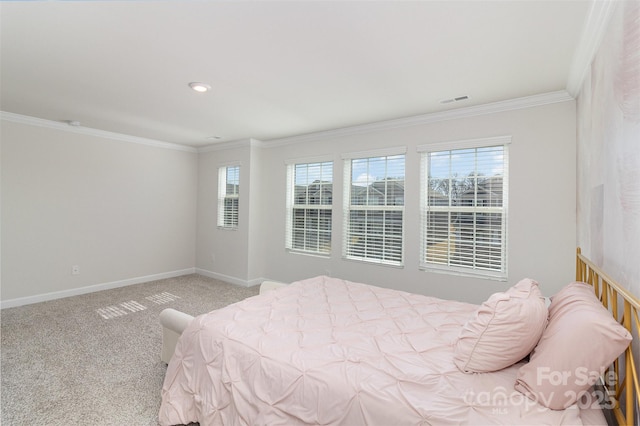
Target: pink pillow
[581,341]
[503,330]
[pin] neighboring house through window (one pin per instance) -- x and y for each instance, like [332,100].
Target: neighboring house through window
[309,204]
[228,196]
[374,206]
[464,207]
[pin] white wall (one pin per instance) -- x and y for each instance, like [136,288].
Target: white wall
[232,255]
[118,210]
[259,231]
[609,151]
[542,223]
[121,210]
[223,253]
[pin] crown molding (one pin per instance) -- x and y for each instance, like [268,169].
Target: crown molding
[40,122]
[593,32]
[240,143]
[490,108]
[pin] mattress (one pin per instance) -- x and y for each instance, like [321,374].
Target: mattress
[330,351]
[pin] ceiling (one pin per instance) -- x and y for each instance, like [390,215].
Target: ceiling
[277,69]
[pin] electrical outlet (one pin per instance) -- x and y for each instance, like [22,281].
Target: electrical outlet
[213,257]
[75,270]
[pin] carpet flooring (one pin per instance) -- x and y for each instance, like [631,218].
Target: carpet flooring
[94,359]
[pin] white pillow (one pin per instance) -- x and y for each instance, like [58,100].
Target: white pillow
[503,331]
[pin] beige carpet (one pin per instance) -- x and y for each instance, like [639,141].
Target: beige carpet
[95,359]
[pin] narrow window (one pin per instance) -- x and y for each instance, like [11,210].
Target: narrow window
[228,196]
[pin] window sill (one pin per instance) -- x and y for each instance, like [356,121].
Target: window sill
[309,253]
[493,276]
[373,262]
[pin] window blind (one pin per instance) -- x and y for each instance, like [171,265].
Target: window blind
[374,209]
[464,210]
[228,196]
[309,207]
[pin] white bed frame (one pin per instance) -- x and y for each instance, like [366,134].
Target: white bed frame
[174,322]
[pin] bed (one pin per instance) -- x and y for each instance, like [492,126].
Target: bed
[329,351]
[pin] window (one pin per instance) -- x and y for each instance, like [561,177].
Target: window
[374,208]
[309,203]
[228,196]
[464,208]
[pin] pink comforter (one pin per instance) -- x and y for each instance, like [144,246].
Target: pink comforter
[328,351]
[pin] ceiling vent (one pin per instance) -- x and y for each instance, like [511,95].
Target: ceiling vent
[456,99]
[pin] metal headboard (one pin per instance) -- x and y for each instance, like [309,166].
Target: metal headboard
[624,307]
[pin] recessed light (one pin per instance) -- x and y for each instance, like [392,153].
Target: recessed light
[214,137]
[200,87]
[73,123]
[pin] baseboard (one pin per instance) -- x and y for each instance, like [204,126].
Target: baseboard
[20,301]
[230,279]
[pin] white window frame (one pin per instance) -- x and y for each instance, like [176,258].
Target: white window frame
[292,205]
[228,201]
[349,251]
[440,260]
